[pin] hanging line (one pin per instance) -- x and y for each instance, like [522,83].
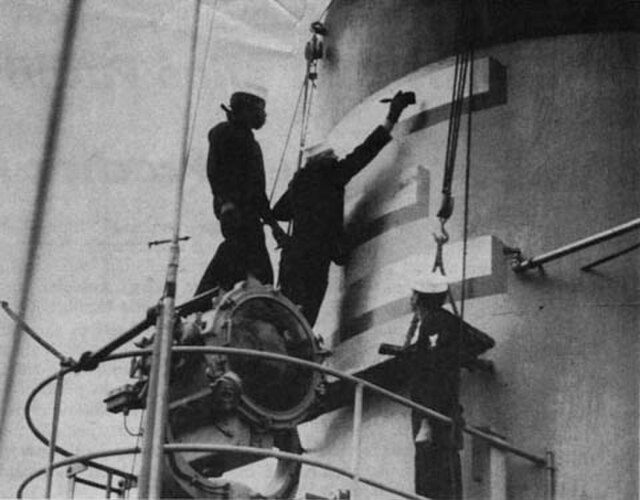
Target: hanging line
[202,78]
[464,54]
[326,9]
[446,207]
[138,436]
[313,52]
[465,226]
[286,143]
[306,94]
[186,130]
[45,174]
[467,30]
[309,86]
[463,45]
[458,421]
[157,407]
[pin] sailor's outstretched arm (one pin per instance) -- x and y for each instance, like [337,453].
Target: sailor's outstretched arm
[361,156]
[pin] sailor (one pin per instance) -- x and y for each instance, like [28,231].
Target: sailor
[235,171]
[314,201]
[434,384]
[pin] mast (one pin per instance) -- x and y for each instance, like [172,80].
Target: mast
[157,401]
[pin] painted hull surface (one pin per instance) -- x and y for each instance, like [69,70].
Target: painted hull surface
[553,159]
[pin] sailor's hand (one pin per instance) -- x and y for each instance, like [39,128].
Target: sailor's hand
[279,235]
[228,207]
[400,101]
[425,433]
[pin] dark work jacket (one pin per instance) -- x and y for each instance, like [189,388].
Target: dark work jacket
[435,368]
[314,199]
[235,170]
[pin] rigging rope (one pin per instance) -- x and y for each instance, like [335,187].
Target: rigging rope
[455,116]
[313,52]
[204,66]
[306,111]
[286,142]
[306,90]
[157,400]
[186,128]
[457,416]
[464,62]
[309,86]
[326,9]
[465,226]
[138,435]
[446,207]
[45,174]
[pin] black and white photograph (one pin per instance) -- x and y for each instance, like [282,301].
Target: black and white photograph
[320,249]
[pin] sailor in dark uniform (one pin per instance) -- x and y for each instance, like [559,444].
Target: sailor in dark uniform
[314,202]
[235,171]
[434,384]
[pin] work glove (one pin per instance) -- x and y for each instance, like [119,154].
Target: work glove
[400,101]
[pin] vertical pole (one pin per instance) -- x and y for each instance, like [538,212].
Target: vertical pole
[164,335]
[307,82]
[122,488]
[109,485]
[165,340]
[71,484]
[72,474]
[357,425]
[147,432]
[497,474]
[38,219]
[550,470]
[54,432]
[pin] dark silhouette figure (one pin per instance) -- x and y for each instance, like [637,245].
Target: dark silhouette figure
[235,171]
[314,202]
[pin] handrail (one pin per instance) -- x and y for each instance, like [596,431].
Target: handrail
[263,452]
[42,438]
[473,431]
[192,305]
[520,264]
[494,441]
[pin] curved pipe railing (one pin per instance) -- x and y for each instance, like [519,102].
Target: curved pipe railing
[36,432]
[178,448]
[359,383]
[266,453]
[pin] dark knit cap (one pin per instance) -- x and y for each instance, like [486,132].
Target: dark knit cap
[241,100]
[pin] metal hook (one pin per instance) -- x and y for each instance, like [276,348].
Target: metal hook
[441,239]
[444,235]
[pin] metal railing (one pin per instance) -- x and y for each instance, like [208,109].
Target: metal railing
[354,473]
[127,478]
[521,264]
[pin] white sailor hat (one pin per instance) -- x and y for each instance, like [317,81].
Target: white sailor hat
[430,283]
[229,376]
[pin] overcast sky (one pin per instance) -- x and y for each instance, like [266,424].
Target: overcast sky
[113,186]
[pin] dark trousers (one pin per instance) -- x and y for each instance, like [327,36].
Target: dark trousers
[303,279]
[242,252]
[437,463]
